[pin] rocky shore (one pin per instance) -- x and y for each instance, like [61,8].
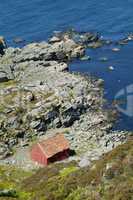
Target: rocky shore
[38,94]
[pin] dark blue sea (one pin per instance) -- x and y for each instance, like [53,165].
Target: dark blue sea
[35,20]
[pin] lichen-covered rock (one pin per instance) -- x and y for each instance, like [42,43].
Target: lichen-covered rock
[4,150]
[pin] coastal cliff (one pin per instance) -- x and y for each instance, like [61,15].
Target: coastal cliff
[38,93]
[40,97]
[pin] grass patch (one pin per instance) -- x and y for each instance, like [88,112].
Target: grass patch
[110,178]
[8,84]
[67,171]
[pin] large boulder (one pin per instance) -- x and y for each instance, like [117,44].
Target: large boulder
[2,45]
[3,76]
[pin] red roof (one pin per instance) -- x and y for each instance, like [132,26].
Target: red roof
[54,145]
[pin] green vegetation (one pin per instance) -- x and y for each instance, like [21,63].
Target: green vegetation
[7,84]
[68,170]
[10,182]
[110,178]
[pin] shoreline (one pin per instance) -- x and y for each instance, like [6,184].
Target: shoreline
[39,94]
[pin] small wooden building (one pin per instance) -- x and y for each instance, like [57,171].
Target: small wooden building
[50,150]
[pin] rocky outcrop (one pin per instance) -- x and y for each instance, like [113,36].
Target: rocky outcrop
[2,45]
[37,93]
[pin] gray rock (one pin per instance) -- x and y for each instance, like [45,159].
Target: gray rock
[3,76]
[57,123]
[12,142]
[8,193]
[4,150]
[18,40]
[54,39]
[84,162]
[35,124]
[85,58]
[3,45]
